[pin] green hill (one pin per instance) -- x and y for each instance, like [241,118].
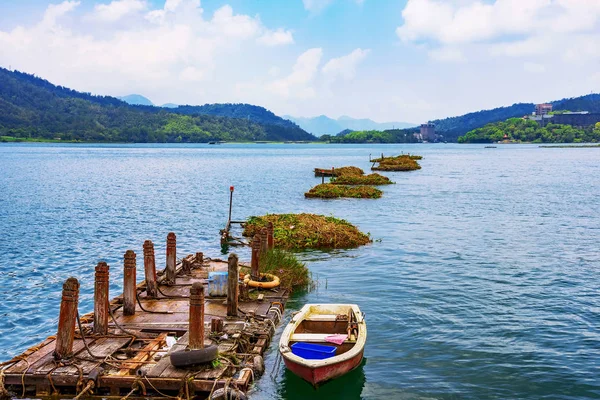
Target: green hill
[31,107]
[454,127]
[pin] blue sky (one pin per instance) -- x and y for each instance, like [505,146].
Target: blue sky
[389,60]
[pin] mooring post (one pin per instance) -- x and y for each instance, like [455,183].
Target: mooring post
[216,325]
[101,299]
[196,321]
[231,189]
[254,272]
[171,256]
[67,319]
[186,265]
[129,279]
[264,246]
[200,259]
[332,172]
[232,285]
[270,239]
[150,269]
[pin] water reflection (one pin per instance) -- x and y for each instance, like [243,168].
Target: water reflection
[349,386]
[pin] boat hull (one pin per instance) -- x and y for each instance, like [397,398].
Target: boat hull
[319,375]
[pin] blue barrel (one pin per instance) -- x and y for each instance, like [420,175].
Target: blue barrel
[217,283]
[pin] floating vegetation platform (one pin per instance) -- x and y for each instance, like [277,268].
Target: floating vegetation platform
[331,191]
[371,179]
[339,171]
[308,231]
[403,162]
[127,346]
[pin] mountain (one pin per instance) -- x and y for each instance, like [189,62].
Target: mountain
[31,107]
[323,125]
[454,127]
[136,99]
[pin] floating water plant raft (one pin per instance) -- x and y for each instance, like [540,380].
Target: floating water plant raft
[339,171]
[308,231]
[331,191]
[372,179]
[398,163]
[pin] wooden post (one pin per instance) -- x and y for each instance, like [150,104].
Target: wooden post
[66,320]
[196,319]
[199,259]
[171,256]
[186,265]
[129,283]
[232,285]
[270,240]
[254,269]
[263,241]
[216,325]
[101,299]
[150,269]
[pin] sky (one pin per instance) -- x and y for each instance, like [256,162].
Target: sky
[388,60]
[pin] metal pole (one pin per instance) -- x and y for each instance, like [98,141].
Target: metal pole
[231,188]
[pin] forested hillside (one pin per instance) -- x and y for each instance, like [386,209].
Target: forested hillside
[31,107]
[452,128]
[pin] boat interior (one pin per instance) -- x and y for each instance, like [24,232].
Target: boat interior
[315,327]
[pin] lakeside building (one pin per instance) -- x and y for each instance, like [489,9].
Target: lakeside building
[543,109]
[428,132]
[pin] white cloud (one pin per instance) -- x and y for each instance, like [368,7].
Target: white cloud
[298,84]
[117,9]
[316,6]
[534,68]
[345,67]
[55,11]
[447,54]
[277,37]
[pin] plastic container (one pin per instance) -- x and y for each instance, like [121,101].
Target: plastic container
[311,351]
[217,283]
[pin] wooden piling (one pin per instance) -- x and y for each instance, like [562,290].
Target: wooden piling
[254,268]
[67,319]
[150,269]
[101,299]
[129,283]
[196,318]
[171,257]
[263,241]
[270,239]
[199,259]
[232,285]
[186,265]
[216,325]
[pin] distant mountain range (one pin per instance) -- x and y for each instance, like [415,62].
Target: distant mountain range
[31,107]
[136,100]
[323,125]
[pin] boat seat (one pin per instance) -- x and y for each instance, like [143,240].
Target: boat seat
[324,318]
[314,338]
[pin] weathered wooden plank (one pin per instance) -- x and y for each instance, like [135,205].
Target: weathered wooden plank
[46,363]
[33,354]
[147,352]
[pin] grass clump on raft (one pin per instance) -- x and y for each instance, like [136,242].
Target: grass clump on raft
[346,171]
[400,163]
[292,273]
[372,179]
[331,191]
[308,231]
[411,156]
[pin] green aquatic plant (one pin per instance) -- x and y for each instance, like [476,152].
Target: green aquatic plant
[308,231]
[331,191]
[371,179]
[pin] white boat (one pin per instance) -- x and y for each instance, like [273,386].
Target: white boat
[320,324]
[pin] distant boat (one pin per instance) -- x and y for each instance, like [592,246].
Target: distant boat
[309,344]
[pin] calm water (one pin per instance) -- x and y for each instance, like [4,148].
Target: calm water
[483,280]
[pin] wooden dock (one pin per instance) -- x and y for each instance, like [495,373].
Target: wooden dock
[123,348]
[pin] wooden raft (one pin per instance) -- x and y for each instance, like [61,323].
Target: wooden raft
[132,359]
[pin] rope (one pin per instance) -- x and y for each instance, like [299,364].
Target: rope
[248,369]
[3,392]
[90,385]
[137,296]
[170,296]
[83,337]
[136,385]
[158,391]
[112,315]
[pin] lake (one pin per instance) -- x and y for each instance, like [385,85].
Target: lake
[483,280]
